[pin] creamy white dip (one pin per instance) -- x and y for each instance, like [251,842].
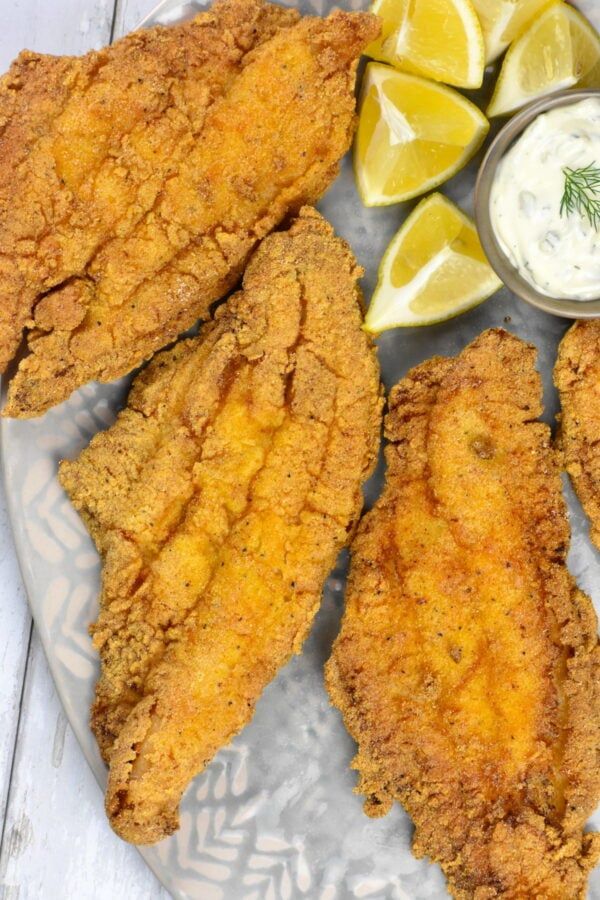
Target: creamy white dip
[558,254]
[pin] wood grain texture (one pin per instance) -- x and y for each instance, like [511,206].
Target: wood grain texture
[15,631]
[56,841]
[62,26]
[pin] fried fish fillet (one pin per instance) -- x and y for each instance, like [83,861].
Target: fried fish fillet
[467,664]
[577,377]
[136,180]
[219,501]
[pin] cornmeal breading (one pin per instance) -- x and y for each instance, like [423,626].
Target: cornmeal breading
[467,664]
[219,501]
[136,180]
[577,377]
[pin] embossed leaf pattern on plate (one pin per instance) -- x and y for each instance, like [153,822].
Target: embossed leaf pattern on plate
[273,817]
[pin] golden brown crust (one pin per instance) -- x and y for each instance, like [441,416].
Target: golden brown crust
[467,664]
[219,501]
[136,180]
[577,377]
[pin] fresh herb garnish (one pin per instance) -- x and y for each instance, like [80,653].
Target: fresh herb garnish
[582,194]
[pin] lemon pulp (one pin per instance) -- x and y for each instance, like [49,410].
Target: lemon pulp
[412,135]
[559,50]
[439,39]
[504,20]
[433,269]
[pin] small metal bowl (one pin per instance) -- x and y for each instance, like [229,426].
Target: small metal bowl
[569,309]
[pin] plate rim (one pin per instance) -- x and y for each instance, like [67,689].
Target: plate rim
[97,766]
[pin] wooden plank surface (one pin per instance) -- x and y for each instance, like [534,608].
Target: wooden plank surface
[55,841]
[15,629]
[53,26]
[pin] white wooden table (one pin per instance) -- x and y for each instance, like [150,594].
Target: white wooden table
[55,843]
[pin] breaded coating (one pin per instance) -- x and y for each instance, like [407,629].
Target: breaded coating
[219,501]
[136,180]
[577,377]
[467,664]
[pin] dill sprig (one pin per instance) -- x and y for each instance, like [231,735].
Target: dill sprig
[582,194]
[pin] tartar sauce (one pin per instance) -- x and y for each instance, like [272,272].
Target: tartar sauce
[558,254]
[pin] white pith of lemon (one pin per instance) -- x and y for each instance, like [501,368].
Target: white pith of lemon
[504,20]
[560,50]
[413,134]
[439,39]
[433,269]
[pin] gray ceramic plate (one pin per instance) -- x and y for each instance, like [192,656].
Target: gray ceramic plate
[274,816]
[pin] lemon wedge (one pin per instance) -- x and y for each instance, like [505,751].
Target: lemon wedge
[559,50]
[504,20]
[412,135]
[440,39]
[433,269]
[525,11]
